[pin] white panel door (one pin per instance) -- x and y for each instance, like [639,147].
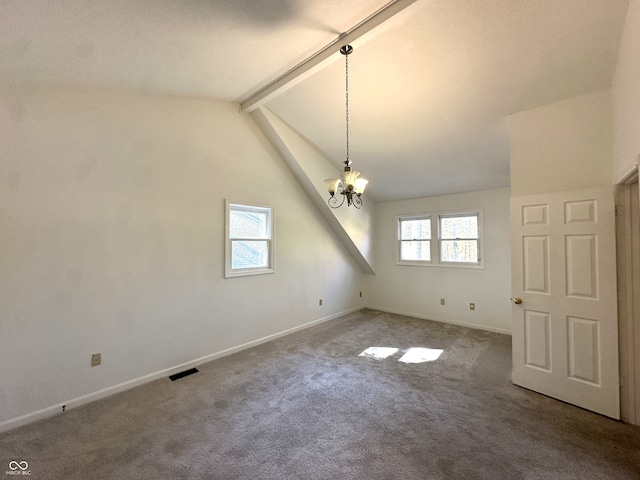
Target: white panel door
[563,265]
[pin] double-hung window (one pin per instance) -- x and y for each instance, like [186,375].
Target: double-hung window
[249,239]
[415,239]
[458,238]
[444,239]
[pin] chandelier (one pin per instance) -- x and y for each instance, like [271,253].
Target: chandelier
[348,184]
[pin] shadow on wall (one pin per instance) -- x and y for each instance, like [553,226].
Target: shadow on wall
[265,13]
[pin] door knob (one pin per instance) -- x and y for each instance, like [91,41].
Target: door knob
[516,300]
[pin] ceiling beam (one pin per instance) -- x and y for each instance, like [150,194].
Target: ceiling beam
[326,55]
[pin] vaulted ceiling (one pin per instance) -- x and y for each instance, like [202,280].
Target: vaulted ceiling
[431,88]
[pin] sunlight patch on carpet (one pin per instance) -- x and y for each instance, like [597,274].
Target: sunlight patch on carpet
[421,355]
[379,353]
[412,355]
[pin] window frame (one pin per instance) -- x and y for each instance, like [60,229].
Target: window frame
[229,271]
[436,239]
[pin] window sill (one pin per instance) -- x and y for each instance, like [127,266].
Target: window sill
[246,272]
[469,266]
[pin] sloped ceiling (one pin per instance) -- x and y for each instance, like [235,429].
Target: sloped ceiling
[430,93]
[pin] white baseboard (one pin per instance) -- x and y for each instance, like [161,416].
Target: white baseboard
[121,387]
[475,326]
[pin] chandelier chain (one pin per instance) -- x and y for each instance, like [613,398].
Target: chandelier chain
[346,95]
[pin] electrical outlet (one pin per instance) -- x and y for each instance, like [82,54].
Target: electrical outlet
[96,359]
[442,301]
[320,302]
[472,306]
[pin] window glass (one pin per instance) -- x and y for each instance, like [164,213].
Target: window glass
[247,223]
[459,227]
[459,251]
[416,251]
[416,229]
[249,254]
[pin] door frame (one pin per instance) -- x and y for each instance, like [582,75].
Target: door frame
[628,272]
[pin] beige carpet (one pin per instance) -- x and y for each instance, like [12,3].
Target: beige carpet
[308,406]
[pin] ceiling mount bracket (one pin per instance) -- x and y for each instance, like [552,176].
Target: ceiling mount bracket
[346,49]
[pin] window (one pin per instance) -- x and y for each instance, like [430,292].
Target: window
[249,239]
[458,238]
[415,239]
[442,239]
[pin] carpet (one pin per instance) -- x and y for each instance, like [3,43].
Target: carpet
[429,401]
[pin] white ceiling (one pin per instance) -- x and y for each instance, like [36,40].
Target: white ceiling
[430,92]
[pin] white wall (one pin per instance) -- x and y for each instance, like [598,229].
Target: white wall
[417,291]
[112,236]
[626,97]
[562,146]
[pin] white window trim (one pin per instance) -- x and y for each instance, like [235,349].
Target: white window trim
[244,272]
[435,239]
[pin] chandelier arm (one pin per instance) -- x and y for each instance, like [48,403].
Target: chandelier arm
[333,201]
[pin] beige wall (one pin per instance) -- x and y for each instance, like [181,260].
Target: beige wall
[626,97]
[112,236]
[562,146]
